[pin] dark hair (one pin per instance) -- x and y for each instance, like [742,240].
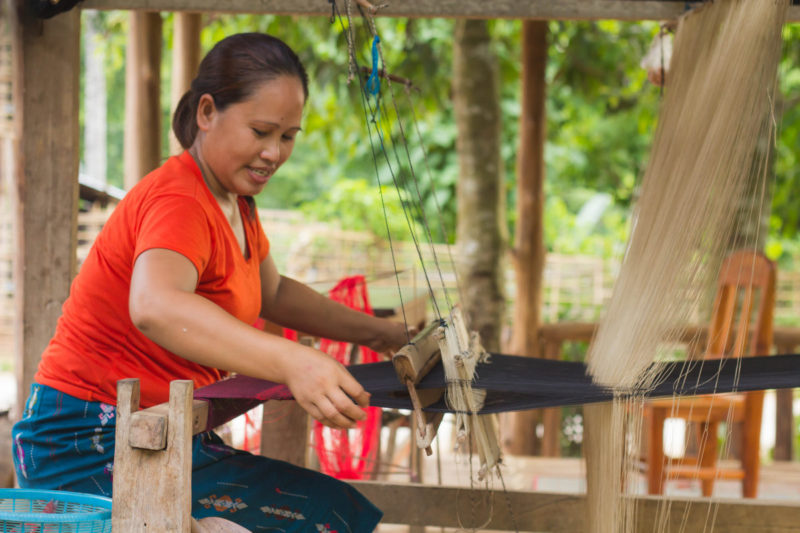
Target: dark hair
[230,73]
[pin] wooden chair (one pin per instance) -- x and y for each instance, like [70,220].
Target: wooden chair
[741,325]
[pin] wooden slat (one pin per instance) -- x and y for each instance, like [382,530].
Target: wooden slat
[517,9]
[149,427]
[46,97]
[557,513]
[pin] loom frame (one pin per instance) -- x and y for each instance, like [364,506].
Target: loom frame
[137,495]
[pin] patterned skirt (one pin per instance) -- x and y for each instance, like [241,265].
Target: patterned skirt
[64,443]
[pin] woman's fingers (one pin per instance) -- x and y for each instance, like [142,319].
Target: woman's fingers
[344,404]
[332,416]
[354,390]
[329,393]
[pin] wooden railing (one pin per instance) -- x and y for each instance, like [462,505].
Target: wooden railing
[785,339]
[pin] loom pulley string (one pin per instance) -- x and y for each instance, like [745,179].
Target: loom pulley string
[377,52]
[371,103]
[375,111]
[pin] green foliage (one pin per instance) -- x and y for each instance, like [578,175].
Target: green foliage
[601,112]
[357,205]
[786,216]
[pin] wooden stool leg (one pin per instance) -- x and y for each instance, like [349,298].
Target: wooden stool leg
[751,436]
[655,449]
[708,454]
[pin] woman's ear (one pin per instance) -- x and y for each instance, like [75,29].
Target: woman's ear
[206,112]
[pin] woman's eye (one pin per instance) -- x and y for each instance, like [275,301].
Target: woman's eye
[288,137]
[259,133]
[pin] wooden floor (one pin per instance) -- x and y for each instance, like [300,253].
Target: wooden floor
[779,482]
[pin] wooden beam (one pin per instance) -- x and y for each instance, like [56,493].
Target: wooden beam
[142,96]
[514,9]
[185,60]
[537,511]
[46,92]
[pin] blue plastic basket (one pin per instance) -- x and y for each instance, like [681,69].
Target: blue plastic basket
[53,511]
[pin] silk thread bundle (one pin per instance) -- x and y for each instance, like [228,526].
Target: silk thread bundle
[715,112]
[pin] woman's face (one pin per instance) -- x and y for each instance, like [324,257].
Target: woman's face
[243,145]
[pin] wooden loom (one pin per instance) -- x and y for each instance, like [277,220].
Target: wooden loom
[447,341]
[153,446]
[152,486]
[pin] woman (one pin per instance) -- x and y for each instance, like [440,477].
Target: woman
[169,291]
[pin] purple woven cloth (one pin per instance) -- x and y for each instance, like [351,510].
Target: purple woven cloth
[231,397]
[244,387]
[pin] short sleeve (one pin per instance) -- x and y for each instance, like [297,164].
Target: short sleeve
[177,223]
[262,242]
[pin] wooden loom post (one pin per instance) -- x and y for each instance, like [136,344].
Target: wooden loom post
[152,487]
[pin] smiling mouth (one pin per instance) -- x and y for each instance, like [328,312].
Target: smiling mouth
[263,172]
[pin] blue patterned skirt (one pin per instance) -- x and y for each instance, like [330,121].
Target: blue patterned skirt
[64,443]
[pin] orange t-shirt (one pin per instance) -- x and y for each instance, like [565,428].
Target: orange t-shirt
[96,343]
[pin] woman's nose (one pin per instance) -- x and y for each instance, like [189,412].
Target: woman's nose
[271,151]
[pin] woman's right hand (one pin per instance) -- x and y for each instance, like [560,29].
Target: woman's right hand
[325,389]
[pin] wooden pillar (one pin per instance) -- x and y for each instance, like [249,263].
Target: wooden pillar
[47,66]
[142,96]
[185,60]
[784,417]
[528,253]
[784,425]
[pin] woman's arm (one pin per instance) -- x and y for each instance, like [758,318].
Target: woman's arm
[291,304]
[165,308]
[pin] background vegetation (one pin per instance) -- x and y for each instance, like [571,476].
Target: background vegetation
[601,112]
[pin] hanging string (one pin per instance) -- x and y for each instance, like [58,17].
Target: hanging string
[353,61]
[439,211]
[422,216]
[419,204]
[370,106]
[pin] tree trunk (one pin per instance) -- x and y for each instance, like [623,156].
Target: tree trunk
[480,231]
[529,251]
[142,96]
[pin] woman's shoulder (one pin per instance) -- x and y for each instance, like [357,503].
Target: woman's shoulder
[171,181]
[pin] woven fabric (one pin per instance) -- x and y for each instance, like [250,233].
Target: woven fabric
[517,383]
